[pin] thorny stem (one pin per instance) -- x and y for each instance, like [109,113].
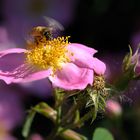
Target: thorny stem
[55,131]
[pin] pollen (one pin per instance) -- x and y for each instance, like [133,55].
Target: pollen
[52,54]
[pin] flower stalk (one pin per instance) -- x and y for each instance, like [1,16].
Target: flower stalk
[50,113]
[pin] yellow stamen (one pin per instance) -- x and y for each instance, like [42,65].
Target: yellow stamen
[51,55]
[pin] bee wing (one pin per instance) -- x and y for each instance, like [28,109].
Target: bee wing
[55,25]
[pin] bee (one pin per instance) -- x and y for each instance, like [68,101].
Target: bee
[41,34]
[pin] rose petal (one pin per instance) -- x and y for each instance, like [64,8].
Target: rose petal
[72,77]
[35,76]
[75,47]
[22,75]
[13,68]
[13,50]
[98,66]
[80,57]
[11,59]
[85,60]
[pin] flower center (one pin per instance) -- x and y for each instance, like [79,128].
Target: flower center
[49,55]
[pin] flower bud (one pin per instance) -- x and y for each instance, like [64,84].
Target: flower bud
[131,63]
[137,67]
[113,108]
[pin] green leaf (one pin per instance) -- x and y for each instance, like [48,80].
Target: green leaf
[94,114]
[28,123]
[77,116]
[102,134]
[102,102]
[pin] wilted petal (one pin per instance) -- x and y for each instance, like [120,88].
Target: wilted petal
[72,77]
[14,70]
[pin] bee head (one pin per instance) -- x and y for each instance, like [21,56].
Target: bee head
[48,34]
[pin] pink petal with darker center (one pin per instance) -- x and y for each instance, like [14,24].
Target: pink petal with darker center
[14,70]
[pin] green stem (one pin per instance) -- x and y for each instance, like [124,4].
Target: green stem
[58,119]
[76,106]
[50,113]
[70,113]
[86,117]
[55,130]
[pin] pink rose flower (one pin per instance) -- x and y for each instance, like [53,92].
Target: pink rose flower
[69,67]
